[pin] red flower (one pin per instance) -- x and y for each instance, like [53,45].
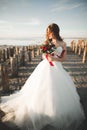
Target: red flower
[48,47]
[45,48]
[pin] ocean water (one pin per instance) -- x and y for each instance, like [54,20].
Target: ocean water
[23,42]
[30,41]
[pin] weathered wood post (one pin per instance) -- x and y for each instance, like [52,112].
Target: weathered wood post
[84,53]
[3,55]
[16,50]
[29,54]
[76,47]
[73,44]
[79,52]
[11,52]
[7,53]
[14,66]
[4,78]
[33,55]
[0,55]
[38,50]
[22,56]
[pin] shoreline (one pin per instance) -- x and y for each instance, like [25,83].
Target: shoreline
[33,41]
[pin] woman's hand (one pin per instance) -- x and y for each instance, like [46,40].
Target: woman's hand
[50,57]
[43,56]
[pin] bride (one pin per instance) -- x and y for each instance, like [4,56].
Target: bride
[48,97]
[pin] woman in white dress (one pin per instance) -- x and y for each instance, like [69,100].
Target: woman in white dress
[48,97]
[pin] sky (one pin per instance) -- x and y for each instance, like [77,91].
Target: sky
[27,18]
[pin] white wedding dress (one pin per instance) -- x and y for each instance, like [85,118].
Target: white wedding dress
[48,97]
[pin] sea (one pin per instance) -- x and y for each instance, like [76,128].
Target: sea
[31,41]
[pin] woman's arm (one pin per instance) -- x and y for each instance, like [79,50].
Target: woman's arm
[44,56]
[63,58]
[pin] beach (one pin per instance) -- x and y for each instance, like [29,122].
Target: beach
[73,65]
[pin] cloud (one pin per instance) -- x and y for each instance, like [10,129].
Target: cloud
[5,26]
[11,28]
[33,21]
[61,6]
[2,21]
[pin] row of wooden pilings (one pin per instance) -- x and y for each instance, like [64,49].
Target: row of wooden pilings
[80,47]
[11,59]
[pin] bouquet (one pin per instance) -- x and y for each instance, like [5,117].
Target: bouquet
[48,48]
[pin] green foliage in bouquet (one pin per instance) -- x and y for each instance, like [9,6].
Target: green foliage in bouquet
[48,47]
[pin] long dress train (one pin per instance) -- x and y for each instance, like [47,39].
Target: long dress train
[48,97]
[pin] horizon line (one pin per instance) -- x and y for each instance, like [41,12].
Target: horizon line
[26,38]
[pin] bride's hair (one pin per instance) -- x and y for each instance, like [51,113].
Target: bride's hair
[55,29]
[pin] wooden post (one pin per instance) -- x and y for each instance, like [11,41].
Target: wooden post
[22,57]
[76,48]
[14,66]
[84,53]
[71,44]
[7,50]
[41,51]
[4,78]
[29,55]
[16,50]
[80,47]
[11,52]
[33,55]
[3,55]
[37,50]
[0,55]
[74,45]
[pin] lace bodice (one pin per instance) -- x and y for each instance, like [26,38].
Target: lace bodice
[58,52]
